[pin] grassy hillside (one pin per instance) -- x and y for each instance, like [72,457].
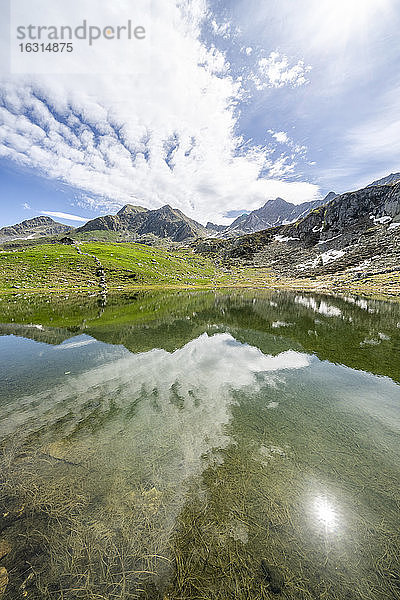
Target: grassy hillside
[144,264]
[127,266]
[58,266]
[46,266]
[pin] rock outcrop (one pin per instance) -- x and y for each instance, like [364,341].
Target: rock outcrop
[358,230]
[392,178]
[213,228]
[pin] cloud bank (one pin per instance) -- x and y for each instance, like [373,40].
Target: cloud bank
[167,134]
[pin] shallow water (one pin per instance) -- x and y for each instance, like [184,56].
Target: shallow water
[200,445]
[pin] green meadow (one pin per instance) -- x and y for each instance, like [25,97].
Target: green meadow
[58,266]
[55,267]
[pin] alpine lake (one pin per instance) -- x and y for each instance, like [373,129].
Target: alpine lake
[199,446]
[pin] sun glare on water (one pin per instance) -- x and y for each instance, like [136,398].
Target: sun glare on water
[325,513]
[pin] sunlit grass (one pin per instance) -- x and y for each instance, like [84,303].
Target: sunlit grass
[129,266]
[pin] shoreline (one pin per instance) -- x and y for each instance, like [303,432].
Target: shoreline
[336,288]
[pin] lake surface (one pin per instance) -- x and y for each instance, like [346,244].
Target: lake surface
[200,446]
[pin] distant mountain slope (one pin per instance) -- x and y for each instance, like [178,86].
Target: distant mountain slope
[358,230]
[121,221]
[274,212]
[350,214]
[213,228]
[390,179]
[34,228]
[165,222]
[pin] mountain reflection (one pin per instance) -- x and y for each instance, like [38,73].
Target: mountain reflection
[189,445]
[188,391]
[359,333]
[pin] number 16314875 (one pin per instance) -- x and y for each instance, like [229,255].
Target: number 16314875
[49,47]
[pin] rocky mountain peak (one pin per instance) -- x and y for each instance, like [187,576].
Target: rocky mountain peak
[276,203]
[357,232]
[273,213]
[167,209]
[41,220]
[164,222]
[130,209]
[32,228]
[388,180]
[329,197]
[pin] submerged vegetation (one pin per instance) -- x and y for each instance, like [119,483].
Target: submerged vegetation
[81,533]
[251,527]
[203,445]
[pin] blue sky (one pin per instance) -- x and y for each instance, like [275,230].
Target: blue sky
[240,101]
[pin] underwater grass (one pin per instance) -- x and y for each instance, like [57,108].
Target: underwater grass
[78,532]
[70,542]
[87,524]
[254,513]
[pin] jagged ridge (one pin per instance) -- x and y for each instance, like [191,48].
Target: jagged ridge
[164,222]
[358,230]
[274,212]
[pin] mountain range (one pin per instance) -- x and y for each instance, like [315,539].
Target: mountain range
[134,222]
[137,223]
[357,230]
[274,212]
[165,222]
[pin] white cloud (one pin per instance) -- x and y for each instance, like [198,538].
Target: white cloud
[280,136]
[281,166]
[62,215]
[287,161]
[275,71]
[222,29]
[283,138]
[164,135]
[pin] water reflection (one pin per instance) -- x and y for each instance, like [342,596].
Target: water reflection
[202,445]
[362,334]
[202,373]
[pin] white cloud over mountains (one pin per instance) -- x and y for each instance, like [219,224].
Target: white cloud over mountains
[166,134]
[62,215]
